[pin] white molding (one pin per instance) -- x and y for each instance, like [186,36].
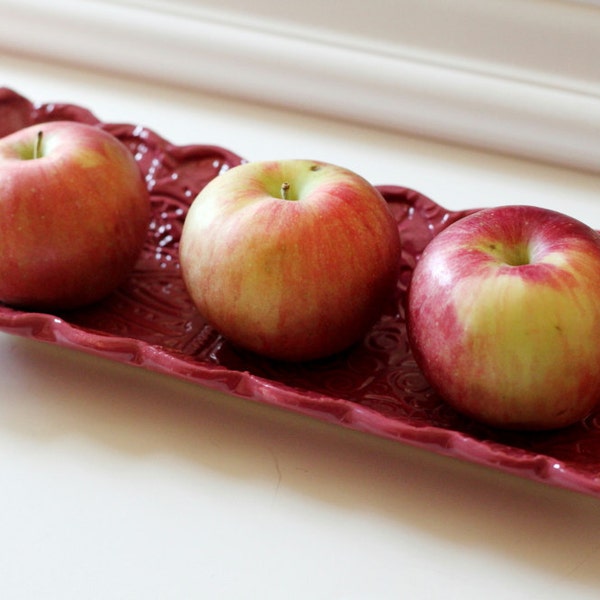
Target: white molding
[516,97]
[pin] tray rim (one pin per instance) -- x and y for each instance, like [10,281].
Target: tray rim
[50,328]
[54,330]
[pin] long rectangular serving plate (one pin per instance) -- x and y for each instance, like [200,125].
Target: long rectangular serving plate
[374,387]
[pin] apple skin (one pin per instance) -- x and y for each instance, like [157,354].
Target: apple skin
[73,219]
[292,279]
[503,317]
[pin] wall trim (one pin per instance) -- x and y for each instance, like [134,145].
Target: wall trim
[529,111]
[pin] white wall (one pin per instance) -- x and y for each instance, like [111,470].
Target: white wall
[514,76]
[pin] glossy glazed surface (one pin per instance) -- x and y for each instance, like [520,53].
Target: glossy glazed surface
[150,322]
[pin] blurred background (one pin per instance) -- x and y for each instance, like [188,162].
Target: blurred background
[517,76]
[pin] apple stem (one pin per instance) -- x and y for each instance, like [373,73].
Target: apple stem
[285,186]
[37,149]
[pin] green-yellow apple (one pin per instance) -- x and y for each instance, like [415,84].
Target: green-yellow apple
[291,259]
[504,317]
[74,212]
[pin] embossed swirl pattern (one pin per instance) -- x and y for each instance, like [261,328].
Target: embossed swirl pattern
[379,374]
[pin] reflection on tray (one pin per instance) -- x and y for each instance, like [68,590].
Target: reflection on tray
[374,387]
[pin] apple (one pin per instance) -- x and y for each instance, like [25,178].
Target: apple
[291,259]
[74,212]
[503,317]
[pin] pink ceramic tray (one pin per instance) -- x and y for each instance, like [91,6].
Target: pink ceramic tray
[376,387]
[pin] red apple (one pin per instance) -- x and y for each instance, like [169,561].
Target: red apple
[504,317]
[292,259]
[74,212]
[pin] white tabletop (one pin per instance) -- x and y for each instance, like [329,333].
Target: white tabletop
[119,483]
